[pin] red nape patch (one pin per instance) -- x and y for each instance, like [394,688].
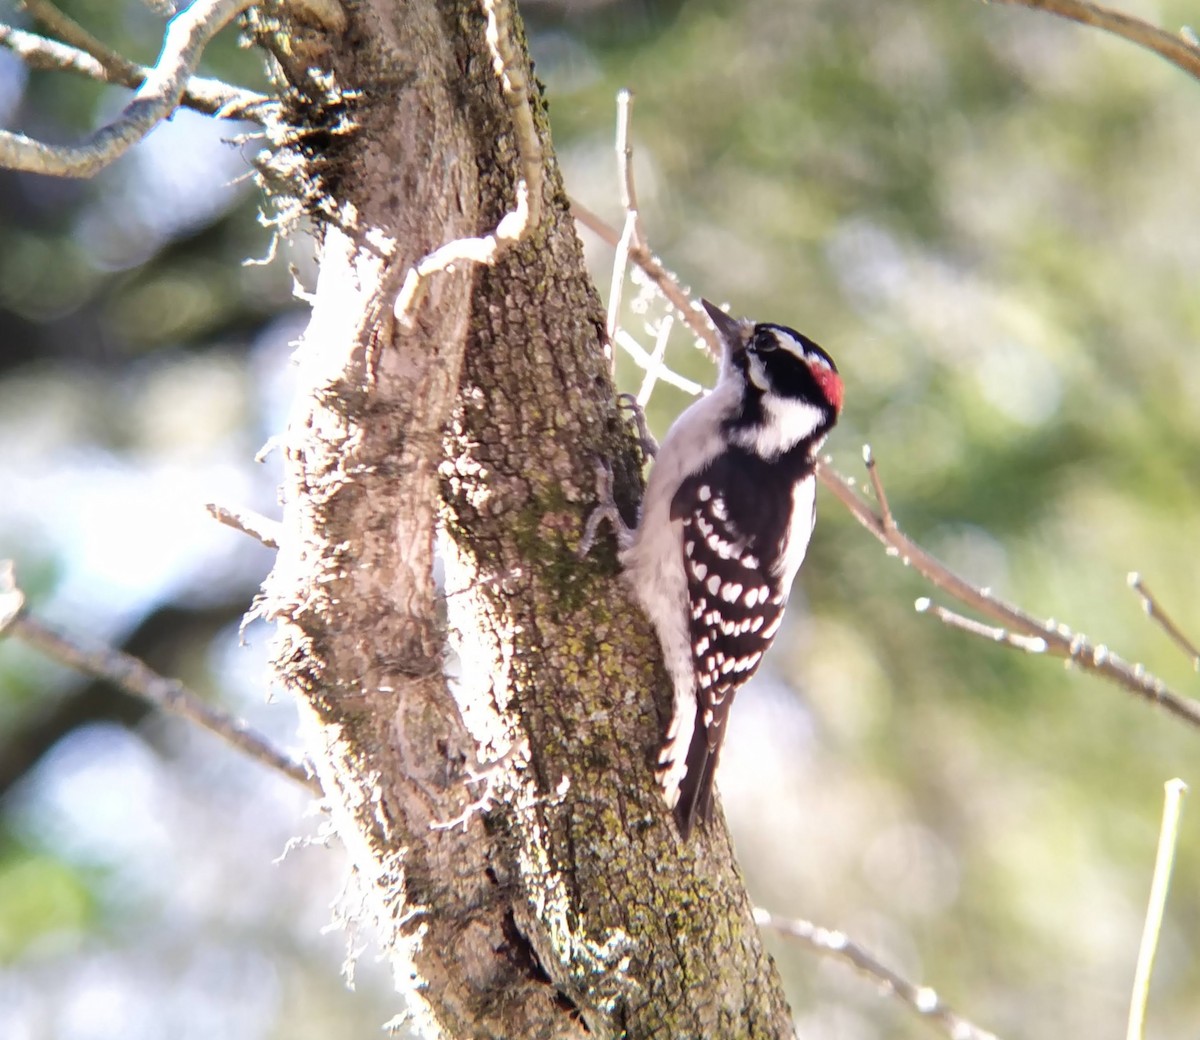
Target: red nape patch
[831,384]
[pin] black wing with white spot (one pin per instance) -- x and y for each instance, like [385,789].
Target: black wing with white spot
[733,527]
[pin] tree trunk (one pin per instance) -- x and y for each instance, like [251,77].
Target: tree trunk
[565,904]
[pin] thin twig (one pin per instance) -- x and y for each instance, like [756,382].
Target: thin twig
[527,213]
[1030,644]
[655,369]
[75,35]
[645,360]
[1164,860]
[630,244]
[1178,50]
[885,513]
[256,525]
[136,678]
[629,199]
[210,96]
[1156,613]
[616,285]
[170,695]
[667,283]
[490,776]
[186,37]
[631,233]
[483,250]
[1059,640]
[912,555]
[922,999]
[506,61]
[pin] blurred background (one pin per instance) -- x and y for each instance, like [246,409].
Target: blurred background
[989,217]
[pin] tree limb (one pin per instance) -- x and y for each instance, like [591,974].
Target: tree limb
[1178,50]
[210,96]
[186,37]
[1031,634]
[631,233]
[134,677]
[1155,612]
[667,283]
[262,529]
[527,213]
[924,1000]
[116,67]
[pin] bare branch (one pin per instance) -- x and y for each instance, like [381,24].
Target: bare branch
[1156,613]
[655,369]
[837,945]
[629,198]
[186,37]
[210,96]
[667,283]
[527,213]
[646,361]
[912,555]
[1030,644]
[68,30]
[258,527]
[631,234]
[135,678]
[506,60]
[1058,639]
[1164,860]
[885,514]
[483,250]
[1178,50]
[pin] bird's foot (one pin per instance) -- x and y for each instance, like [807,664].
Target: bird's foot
[646,439]
[605,510]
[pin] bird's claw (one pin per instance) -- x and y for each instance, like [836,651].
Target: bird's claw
[646,439]
[605,510]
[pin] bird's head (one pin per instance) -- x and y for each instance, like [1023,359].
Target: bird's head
[791,387]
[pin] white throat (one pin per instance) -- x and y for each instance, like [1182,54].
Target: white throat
[786,422]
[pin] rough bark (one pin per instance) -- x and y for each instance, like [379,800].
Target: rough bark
[567,907]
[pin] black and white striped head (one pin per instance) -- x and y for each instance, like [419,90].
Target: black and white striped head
[791,388]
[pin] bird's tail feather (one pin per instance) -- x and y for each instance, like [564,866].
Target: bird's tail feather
[696,788]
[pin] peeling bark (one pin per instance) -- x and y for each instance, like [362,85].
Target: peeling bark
[566,906]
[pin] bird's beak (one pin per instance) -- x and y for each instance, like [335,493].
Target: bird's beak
[734,336]
[731,330]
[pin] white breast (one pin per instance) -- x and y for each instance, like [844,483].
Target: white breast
[804,516]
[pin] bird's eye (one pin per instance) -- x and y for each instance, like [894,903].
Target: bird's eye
[764,342]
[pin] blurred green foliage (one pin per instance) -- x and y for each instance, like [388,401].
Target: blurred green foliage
[988,216]
[39,897]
